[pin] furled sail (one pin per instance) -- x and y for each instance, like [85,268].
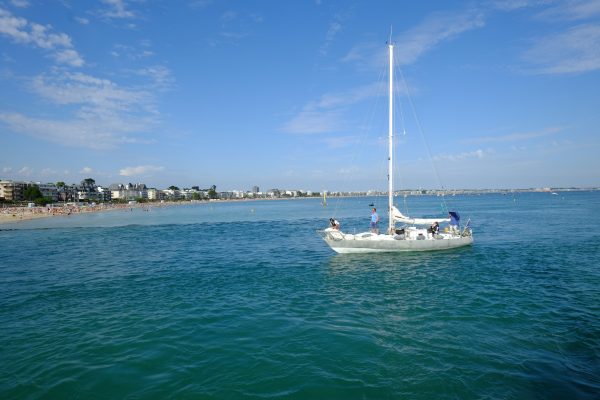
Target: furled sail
[399,217]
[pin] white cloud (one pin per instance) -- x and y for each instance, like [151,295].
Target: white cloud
[200,3]
[362,52]
[572,10]
[234,27]
[69,57]
[340,141]
[326,113]
[6,170]
[352,171]
[334,28]
[131,52]
[89,132]
[511,5]
[102,115]
[233,35]
[311,121]
[356,95]
[228,16]
[117,9]
[140,170]
[76,88]
[576,50]
[417,41]
[477,154]
[82,21]
[86,170]
[436,29]
[20,3]
[48,172]
[160,75]
[517,136]
[22,31]
[25,171]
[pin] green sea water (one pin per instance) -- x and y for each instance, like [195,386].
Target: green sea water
[244,301]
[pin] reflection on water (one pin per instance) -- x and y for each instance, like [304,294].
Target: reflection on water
[382,262]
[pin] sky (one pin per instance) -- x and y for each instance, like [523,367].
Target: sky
[292,94]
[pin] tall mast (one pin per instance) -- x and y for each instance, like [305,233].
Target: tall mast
[391,140]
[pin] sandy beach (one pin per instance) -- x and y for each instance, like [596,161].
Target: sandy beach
[19,214]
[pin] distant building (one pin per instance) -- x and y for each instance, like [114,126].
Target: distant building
[171,194]
[155,194]
[186,193]
[273,193]
[87,190]
[104,194]
[15,190]
[255,190]
[67,193]
[48,190]
[128,192]
[12,190]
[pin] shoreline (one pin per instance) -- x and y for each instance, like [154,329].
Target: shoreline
[14,215]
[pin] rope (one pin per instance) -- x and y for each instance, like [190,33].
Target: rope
[399,110]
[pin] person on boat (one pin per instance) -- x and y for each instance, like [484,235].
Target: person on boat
[435,228]
[334,224]
[454,220]
[374,221]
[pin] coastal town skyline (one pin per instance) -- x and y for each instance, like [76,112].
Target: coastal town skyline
[90,190]
[283,95]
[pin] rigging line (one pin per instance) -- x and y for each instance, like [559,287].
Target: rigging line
[367,123]
[421,131]
[400,110]
[397,142]
[382,165]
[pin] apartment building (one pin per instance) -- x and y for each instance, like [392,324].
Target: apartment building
[12,190]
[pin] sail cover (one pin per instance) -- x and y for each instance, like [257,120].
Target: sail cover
[399,217]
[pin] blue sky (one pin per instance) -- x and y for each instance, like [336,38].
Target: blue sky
[291,94]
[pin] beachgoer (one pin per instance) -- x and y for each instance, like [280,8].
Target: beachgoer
[374,221]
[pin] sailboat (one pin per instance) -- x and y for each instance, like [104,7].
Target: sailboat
[413,233]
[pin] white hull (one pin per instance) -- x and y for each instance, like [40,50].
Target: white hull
[414,240]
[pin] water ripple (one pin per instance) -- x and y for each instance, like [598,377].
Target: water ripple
[261,308]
